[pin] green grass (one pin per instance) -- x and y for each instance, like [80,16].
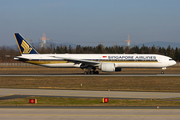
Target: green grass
[55,101]
[163,84]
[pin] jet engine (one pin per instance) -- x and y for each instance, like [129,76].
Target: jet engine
[108,67]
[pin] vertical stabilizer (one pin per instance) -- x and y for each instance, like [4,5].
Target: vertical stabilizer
[24,46]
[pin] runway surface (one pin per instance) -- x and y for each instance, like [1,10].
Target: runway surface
[82,114]
[83,93]
[90,75]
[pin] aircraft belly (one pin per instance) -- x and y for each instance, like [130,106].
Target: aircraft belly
[130,65]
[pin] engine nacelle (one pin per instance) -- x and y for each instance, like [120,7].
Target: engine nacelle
[107,67]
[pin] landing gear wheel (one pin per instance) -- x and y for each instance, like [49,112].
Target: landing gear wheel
[162,72]
[86,72]
[96,72]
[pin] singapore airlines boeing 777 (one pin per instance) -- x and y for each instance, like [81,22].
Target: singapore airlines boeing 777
[91,62]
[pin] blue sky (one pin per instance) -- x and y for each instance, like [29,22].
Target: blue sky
[89,22]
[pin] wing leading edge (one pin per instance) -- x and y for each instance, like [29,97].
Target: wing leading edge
[78,61]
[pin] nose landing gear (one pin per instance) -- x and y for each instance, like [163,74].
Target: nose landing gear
[162,72]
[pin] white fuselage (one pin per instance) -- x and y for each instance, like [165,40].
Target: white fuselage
[120,60]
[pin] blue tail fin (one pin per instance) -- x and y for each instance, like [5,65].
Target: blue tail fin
[24,46]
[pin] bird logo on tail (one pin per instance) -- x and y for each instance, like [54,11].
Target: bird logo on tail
[26,47]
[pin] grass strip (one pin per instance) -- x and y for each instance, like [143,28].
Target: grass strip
[160,84]
[56,101]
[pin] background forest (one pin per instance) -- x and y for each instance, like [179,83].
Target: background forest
[99,49]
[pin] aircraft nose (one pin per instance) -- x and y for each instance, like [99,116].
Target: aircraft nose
[174,62]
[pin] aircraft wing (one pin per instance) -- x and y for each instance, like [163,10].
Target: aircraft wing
[78,61]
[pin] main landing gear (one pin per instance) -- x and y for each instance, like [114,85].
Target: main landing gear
[91,72]
[88,70]
[162,72]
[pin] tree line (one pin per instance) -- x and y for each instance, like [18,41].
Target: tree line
[174,53]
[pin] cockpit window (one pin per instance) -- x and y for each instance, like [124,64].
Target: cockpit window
[170,59]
